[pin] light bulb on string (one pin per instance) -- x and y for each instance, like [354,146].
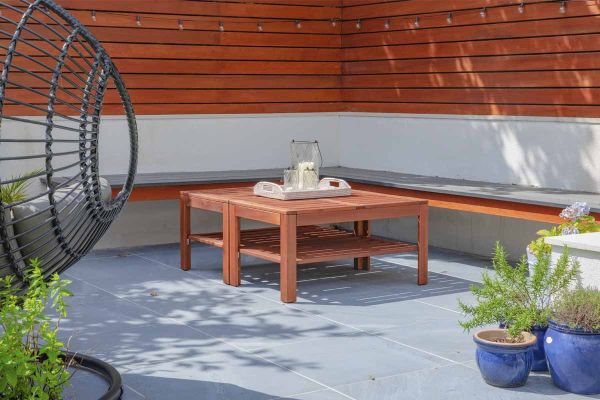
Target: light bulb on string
[94,16]
[259,27]
[358,24]
[298,24]
[138,20]
[221,26]
[417,23]
[450,18]
[333,22]
[521,7]
[180,24]
[483,12]
[563,7]
[386,24]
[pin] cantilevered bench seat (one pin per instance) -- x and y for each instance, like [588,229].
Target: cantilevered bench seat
[515,201]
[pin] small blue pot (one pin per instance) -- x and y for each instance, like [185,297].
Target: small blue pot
[573,359]
[504,365]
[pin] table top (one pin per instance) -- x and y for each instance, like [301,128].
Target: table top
[359,199]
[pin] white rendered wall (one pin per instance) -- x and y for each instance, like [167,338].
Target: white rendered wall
[217,142]
[557,153]
[546,152]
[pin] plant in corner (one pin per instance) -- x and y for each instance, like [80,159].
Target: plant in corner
[32,362]
[573,342]
[522,303]
[577,220]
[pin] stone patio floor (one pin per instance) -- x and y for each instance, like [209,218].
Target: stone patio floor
[352,335]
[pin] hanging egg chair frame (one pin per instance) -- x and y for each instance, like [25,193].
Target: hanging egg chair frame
[72,213]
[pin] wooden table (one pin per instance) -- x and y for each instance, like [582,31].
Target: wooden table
[300,236]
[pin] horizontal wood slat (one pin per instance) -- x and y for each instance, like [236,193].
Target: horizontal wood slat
[194,70]
[539,62]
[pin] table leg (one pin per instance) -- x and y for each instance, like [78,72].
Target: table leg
[234,247]
[361,228]
[226,245]
[184,232]
[423,245]
[288,265]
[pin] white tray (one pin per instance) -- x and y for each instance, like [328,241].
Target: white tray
[328,187]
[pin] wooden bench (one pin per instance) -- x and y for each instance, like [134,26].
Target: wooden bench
[513,201]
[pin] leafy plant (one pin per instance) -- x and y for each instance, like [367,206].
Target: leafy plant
[514,297]
[579,309]
[577,220]
[31,366]
[16,191]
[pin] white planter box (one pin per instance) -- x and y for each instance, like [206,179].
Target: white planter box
[585,248]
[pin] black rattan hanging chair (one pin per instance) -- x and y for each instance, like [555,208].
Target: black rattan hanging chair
[55,79]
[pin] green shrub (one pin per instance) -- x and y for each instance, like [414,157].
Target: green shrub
[579,309]
[514,298]
[31,366]
[17,191]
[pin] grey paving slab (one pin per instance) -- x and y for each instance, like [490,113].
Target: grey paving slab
[447,265]
[131,275]
[338,360]
[247,321]
[435,330]
[223,373]
[318,395]
[454,382]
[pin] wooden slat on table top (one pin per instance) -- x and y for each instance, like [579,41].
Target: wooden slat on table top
[359,200]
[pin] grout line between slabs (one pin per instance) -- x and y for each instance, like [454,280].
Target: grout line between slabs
[239,348]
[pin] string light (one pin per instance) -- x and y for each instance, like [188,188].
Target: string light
[387,22]
[563,7]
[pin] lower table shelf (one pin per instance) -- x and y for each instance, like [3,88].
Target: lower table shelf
[315,244]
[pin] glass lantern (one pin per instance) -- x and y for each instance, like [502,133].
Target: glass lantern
[306,160]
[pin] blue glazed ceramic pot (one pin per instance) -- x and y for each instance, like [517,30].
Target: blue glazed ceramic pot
[539,354]
[504,364]
[573,358]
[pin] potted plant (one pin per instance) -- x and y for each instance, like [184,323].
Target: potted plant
[577,220]
[519,303]
[573,342]
[33,363]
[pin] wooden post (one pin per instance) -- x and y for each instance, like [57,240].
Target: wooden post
[362,229]
[184,231]
[288,265]
[234,248]
[423,245]
[226,245]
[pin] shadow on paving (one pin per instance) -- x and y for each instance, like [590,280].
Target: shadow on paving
[341,284]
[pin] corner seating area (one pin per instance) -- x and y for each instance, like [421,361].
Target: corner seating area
[513,201]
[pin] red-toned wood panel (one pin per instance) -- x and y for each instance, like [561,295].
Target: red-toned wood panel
[193,68]
[540,62]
